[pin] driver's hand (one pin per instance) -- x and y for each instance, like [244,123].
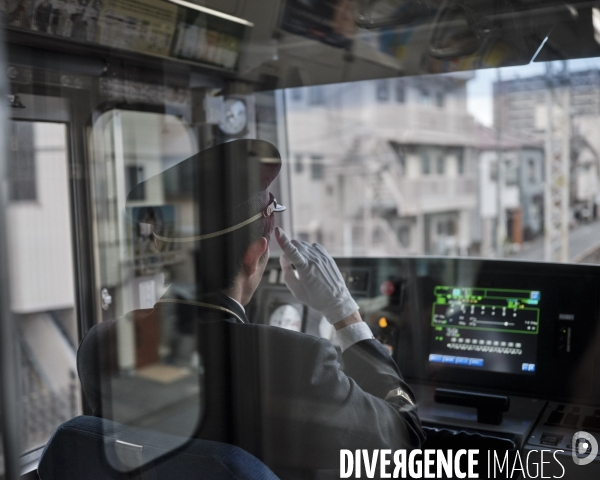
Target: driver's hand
[318,283]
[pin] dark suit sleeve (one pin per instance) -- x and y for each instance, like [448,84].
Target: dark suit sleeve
[373,369]
[89,370]
[94,363]
[336,410]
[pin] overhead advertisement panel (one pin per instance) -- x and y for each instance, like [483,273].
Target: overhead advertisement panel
[143,26]
[152,27]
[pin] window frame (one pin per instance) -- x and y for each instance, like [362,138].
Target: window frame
[28,461]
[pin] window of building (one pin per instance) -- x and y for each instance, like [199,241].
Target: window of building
[531,170]
[296,94]
[425,165]
[451,227]
[425,97]
[404,235]
[400,93]
[42,288]
[461,165]
[316,95]
[440,165]
[446,227]
[133,176]
[512,173]
[21,162]
[298,164]
[383,91]
[317,170]
[440,99]
[494,171]
[402,164]
[441,227]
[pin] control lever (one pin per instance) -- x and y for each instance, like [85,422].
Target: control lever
[489,407]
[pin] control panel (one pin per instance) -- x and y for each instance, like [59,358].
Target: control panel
[507,350]
[561,422]
[274,305]
[498,326]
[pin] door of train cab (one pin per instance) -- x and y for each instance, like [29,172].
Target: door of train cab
[93,114]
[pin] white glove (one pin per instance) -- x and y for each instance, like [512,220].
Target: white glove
[319,283]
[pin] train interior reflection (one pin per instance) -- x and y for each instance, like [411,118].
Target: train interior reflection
[445,153]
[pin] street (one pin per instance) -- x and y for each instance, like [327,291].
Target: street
[581,238]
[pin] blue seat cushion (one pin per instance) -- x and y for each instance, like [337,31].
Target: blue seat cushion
[85,448]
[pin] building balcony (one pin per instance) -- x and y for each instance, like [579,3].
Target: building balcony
[436,194]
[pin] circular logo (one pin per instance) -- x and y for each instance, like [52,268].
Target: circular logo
[585,448]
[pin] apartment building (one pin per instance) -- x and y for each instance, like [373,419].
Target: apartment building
[520,108]
[417,193]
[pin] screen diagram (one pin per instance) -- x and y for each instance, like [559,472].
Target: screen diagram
[490,329]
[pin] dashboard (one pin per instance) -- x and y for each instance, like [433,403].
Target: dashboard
[501,326]
[464,331]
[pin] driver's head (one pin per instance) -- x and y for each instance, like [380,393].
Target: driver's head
[211,215]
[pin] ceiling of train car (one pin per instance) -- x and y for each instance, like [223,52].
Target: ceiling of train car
[291,43]
[308,42]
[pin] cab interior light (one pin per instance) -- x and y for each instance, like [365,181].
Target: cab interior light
[210,11]
[596,23]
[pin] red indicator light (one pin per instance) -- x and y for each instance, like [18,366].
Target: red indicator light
[387,288]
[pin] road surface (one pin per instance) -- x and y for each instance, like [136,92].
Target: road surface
[581,239]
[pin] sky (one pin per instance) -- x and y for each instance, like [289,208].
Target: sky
[479,89]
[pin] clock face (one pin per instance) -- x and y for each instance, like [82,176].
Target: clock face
[235,116]
[286,316]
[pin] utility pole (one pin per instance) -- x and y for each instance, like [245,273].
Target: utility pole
[500,178]
[557,166]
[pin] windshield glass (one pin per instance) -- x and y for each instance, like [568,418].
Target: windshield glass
[453,164]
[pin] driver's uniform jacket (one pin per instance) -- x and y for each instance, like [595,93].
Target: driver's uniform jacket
[278,394]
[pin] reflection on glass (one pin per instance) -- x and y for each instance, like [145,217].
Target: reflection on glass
[156,381]
[41,272]
[397,171]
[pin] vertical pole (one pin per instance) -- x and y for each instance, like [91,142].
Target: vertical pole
[500,214]
[286,167]
[565,174]
[367,214]
[125,330]
[558,171]
[9,355]
[548,177]
[501,219]
[419,233]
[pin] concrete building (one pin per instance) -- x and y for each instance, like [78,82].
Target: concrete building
[515,184]
[41,275]
[520,108]
[384,167]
